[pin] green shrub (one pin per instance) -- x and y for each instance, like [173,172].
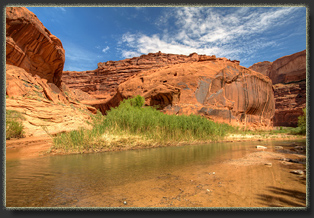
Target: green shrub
[302,123]
[137,101]
[14,126]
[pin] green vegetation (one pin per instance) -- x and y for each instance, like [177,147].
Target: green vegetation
[131,125]
[132,118]
[302,122]
[299,130]
[14,126]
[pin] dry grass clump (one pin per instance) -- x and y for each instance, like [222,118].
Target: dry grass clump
[14,126]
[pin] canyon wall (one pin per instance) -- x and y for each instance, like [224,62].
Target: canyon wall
[29,45]
[288,75]
[34,65]
[218,89]
[102,82]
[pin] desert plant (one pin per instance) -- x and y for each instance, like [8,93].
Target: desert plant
[302,122]
[14,126]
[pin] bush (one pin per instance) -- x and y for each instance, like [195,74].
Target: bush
[14,126]
[137,101]
[302,122]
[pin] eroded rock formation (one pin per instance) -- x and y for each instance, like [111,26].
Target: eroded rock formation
[43,104]
[290,99]
[288,75]
[35,60]
[31,46]
[262,67]
[218,89]
[102,82]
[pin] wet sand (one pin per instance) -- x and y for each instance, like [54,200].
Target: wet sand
[247,181]
[30,147]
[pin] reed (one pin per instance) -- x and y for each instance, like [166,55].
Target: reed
[132,125]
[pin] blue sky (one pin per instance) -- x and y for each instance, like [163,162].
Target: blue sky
[249,34]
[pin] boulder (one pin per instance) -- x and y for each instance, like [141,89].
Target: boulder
[29,45]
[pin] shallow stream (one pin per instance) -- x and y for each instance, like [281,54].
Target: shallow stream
[65,181]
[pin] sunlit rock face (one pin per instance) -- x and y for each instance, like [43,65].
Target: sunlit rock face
[29,45]
[218,89]
[103,82]
[288,75]
[43,104]
[34,64]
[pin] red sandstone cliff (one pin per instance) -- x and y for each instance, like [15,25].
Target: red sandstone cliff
[35,60]
[102,82]
[262,67]
[288,75]
[218,89]
[31,46]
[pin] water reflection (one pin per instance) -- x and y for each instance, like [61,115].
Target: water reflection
[63,180]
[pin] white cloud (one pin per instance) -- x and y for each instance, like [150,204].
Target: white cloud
[105,49]
[130,54]
[223,32]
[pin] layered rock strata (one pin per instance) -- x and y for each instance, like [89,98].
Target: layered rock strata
[34,65]
[288,75]
[102,82]
[217,89]
[29,45]
[45,107]
[290,99]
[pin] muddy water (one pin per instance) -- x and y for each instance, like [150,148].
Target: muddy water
[81,180]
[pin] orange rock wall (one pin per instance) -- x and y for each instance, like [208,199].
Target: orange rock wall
[217,89]
[34,65]
[288,75]
[31,46]
[102,82]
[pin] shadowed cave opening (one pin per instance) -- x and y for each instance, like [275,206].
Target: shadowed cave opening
[161,100]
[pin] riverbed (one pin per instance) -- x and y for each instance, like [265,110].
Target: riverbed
[229,174]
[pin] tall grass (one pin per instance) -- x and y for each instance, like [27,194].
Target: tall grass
[131,124]
[156,125]
[14,126]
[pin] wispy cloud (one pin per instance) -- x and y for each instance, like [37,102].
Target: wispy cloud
[105,49]
[228,32]
[62,9]
[78,58]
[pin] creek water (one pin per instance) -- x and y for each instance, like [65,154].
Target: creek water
[63,181]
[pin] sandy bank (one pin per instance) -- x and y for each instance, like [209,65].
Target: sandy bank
[32,147]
